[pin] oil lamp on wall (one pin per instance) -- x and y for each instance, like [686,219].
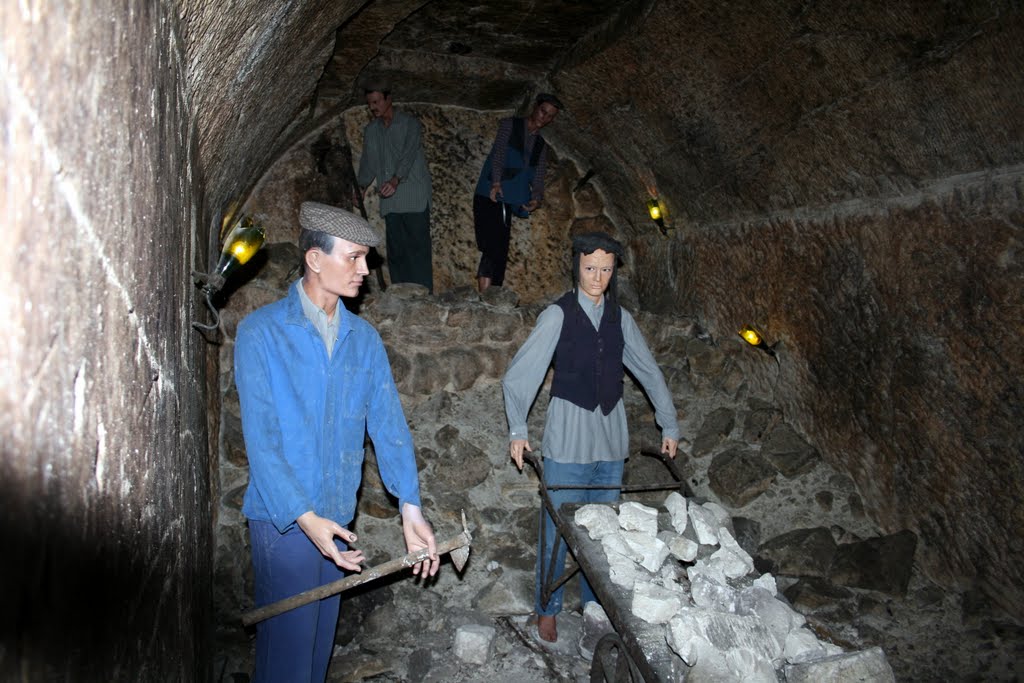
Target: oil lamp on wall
[656,207]
[756,339]
[241,243]
[657,213]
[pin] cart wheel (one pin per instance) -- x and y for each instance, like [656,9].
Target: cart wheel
[612,663]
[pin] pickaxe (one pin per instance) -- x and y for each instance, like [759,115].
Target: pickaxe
[457,546]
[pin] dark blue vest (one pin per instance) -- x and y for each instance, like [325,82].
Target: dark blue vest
[517,175]
[588,362]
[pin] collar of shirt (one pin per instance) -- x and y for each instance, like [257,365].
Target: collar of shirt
[326,327]
[593,311]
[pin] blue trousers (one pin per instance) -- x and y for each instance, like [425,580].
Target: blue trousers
[295,646]
[409,250]
[561,474]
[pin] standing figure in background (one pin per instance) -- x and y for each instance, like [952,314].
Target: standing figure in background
[393,155]
[313,380]
[511,182]
[586,441]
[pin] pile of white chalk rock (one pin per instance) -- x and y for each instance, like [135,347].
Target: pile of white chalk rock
[725,621]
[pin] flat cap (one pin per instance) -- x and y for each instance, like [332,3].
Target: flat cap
[338,222]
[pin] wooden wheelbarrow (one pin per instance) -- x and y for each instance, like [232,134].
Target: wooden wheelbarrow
[457,546]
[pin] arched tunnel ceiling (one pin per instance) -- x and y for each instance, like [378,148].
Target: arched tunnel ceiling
[472,54]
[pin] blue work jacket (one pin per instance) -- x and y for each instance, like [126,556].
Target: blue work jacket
[305,416]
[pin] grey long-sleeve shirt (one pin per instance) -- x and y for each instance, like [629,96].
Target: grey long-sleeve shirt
[396,150]
[571,433]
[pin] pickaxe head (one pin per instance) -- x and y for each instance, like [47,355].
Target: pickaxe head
[460,555]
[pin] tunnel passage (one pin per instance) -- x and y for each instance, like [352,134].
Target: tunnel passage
[846,177]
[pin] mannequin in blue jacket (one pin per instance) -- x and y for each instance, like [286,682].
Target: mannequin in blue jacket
[511,183]
[313,379]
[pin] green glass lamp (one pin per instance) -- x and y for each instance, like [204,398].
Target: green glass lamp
[240,245]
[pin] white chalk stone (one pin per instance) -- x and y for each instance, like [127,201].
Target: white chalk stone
[473,643]
[803,646]
[869,666]
[675,503]
[684,639]
[705,524]
[598,520]
[778,617]
[615,544]
[671,574]
[622,571]
[728,631]
[708,637]
[595,626]
[734,560]
[712,570]
[721,515]
[649,552]
[679,546]
[745,666]
[637,517]
[655,604]
[767,582]
[709,594]
[719,566]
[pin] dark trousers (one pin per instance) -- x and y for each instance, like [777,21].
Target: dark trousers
[409,255]
[492,223]
[296,645]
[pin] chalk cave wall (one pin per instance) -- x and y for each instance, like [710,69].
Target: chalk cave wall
[104,473]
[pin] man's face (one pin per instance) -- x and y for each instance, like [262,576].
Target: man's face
[595,275]
[543,114]
[379,104]
[342,271]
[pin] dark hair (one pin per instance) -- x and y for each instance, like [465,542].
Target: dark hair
[588,243]
[313,239]
[377,86]
[548,97]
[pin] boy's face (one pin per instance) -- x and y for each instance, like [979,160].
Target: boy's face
[595,274]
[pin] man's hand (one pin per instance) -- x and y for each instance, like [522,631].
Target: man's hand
[515,448]
[419,535]
[531,205]
[668,446]
[496,192]
[322,531]
[388,188]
